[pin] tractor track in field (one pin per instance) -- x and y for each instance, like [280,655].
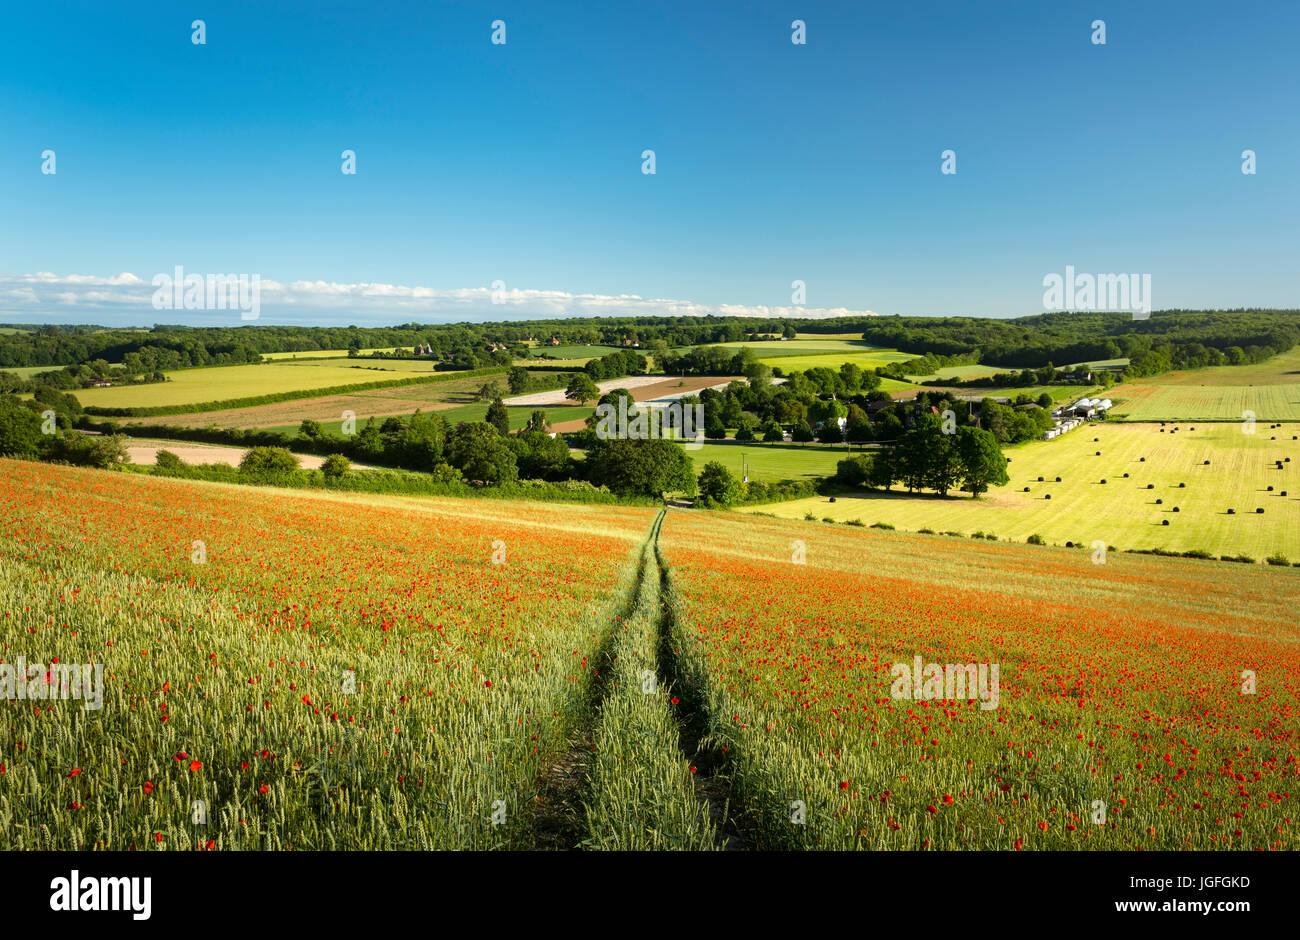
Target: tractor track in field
[564,787]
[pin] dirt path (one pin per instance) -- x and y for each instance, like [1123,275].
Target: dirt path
[145,453]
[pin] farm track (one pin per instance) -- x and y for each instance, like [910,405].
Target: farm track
[565,788]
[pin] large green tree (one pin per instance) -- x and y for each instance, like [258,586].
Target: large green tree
[498,416]
[717,483]
[982,462]
[642,467]
[581,389]
[481,454]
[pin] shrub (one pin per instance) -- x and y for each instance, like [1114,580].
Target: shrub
[881,525]
[167,462]
[1280,560]
[272,460]
[335,466]
[1035,540]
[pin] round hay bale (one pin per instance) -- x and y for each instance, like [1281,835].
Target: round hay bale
[1176,509]
[1232,512]
[1151,486]
[1206,464]
[1259,510]
[1058,479]
[1182,485]
[1160,502]
[1164,522]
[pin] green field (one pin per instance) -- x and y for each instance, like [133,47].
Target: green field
[27,372]
[219,383]
[960,373]
[322,353]
[772,462]
[578,352]
[808,353]
[1122,511]
[1270,389]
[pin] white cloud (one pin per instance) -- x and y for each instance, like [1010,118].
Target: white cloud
[126,298]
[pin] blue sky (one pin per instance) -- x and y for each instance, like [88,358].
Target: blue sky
[522,162]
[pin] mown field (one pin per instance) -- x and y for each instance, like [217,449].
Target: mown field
[393,673]
[1270,389]
[1122,511]
[223,383]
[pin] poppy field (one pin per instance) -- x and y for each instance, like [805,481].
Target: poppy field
[1123,721]
[326,674]
[299,670]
